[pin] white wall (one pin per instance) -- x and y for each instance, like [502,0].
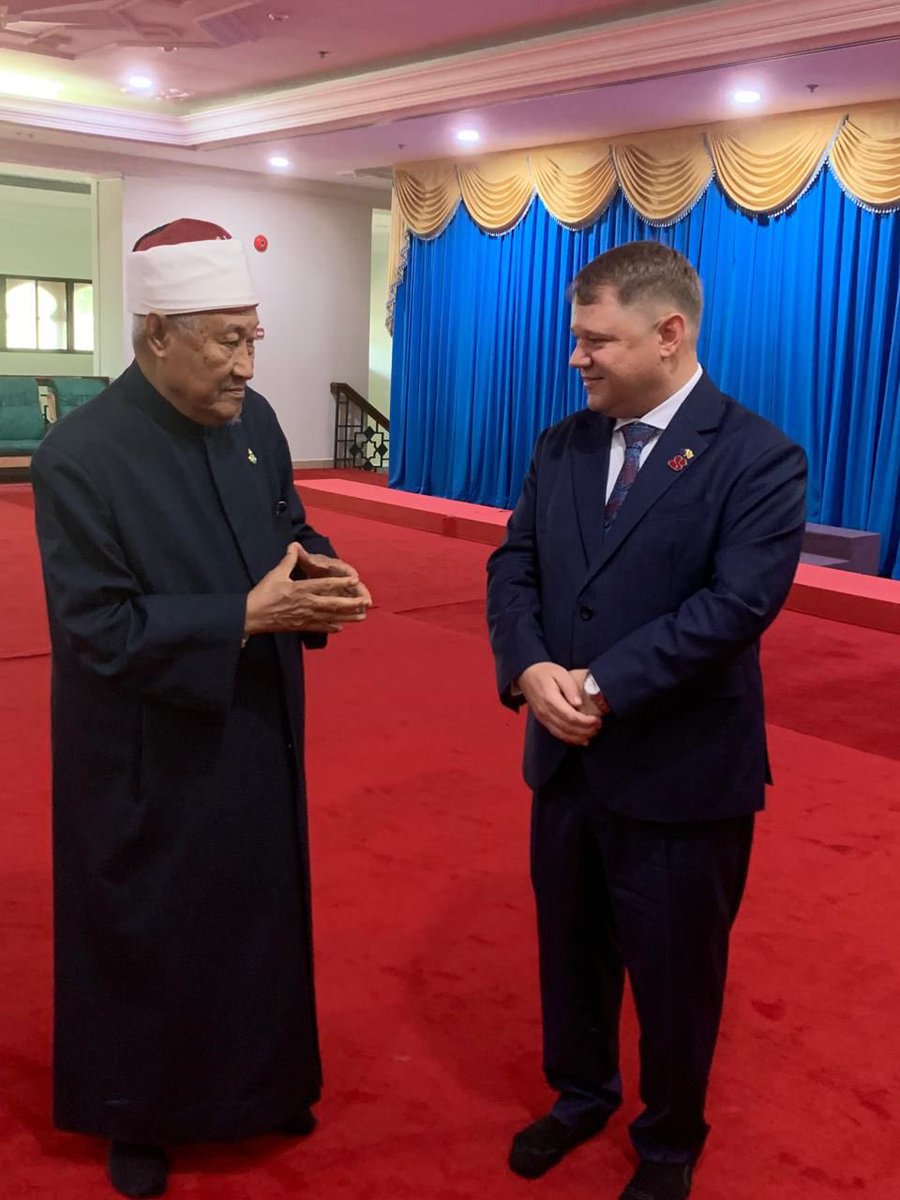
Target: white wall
[45,233]
[313,282]
[24,362]
[380,342]
[109,285]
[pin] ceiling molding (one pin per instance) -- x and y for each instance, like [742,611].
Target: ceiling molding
[100,162]
[640,48]
[708,35]
[98,122]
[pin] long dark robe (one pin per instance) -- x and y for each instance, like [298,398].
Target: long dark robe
[183,957]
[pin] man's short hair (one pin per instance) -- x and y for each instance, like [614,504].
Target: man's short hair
[640,271]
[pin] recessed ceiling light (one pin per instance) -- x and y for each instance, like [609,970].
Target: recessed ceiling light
[31,86]
[747,96]
[468,135]
[140,83]
[278,160]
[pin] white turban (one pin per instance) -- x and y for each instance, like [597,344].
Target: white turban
[188,266]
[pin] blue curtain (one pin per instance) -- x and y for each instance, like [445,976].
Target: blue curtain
[801,324]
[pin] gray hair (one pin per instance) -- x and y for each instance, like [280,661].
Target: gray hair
[185,322]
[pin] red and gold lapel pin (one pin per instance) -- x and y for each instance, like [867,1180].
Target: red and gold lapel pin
[679,461]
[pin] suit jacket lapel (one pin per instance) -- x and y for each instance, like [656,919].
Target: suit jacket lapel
[589,457]
[690,428]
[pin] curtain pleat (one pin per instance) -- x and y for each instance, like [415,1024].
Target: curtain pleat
[663,177]
[764,167]
[427,197]
[575,183]
[496,191]
[866,158]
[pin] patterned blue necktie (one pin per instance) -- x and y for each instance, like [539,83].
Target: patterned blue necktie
[636,436]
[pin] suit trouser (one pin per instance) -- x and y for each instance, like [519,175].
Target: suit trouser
[657,900]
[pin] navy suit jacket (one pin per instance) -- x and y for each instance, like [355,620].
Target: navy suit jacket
[665,609]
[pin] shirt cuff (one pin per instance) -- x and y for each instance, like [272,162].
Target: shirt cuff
[593,688]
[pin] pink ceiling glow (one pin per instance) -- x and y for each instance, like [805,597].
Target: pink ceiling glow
[345,89]
[208,49]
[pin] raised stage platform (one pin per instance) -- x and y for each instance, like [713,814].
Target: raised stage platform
[843,595]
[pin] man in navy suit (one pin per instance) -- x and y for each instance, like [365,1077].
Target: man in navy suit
[655,538]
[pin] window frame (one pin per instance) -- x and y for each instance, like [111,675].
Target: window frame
[37,280]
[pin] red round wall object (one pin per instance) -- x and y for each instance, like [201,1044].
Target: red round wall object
[261,242]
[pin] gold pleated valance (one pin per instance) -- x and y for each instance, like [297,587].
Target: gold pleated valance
[575,183]
[427,196]
[663,175]
[497,190]
[865,157]
[763,165]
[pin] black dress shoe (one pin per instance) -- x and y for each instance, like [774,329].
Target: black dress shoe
[300,1124]
[541,1145]
[138,1170]
[659,1181]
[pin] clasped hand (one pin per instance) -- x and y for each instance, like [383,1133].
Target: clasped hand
[331,595]
[558,700]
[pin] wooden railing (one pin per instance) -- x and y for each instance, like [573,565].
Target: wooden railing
[361,432]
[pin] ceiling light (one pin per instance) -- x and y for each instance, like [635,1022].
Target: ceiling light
[30,86]
[747,96]
[468,135]
[278,160]
[140,83]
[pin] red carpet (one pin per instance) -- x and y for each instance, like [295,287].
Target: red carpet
[424,925]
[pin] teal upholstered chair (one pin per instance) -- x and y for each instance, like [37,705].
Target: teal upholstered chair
[72,391]
[21,420]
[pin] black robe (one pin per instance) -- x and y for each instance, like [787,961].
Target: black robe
[183,957]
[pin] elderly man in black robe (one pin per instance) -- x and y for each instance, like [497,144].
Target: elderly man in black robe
[182,580]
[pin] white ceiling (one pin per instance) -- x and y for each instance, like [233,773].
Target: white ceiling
[246,80]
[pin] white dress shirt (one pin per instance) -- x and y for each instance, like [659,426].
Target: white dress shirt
[658,417]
